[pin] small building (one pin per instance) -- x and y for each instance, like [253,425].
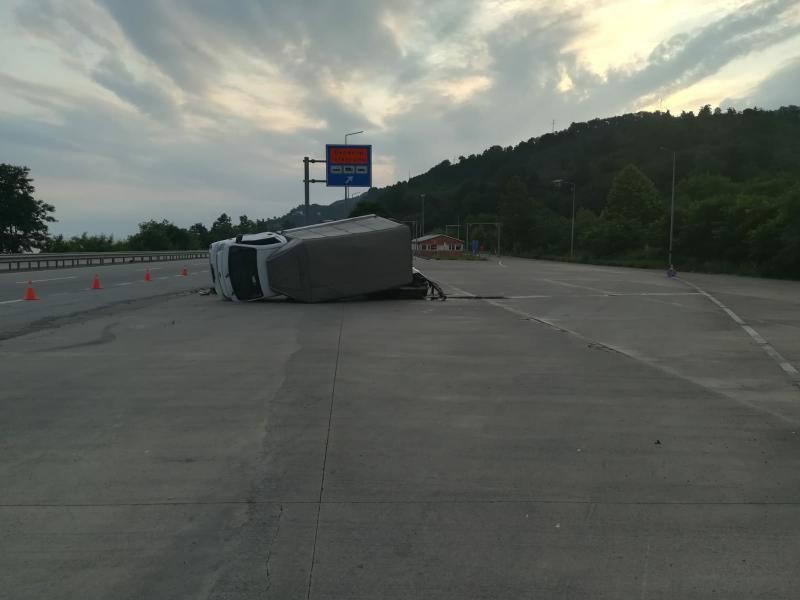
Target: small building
[437,244]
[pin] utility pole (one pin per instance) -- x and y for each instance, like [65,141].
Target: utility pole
[670,268]
[572,226]
[672,212]
[499,229]
[559,183]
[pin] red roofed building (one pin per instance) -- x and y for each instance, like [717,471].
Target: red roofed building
[437,244]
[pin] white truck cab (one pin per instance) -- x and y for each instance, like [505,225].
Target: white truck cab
[239,265]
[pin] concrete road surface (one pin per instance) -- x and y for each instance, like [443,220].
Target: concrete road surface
[551,431]
[65,293]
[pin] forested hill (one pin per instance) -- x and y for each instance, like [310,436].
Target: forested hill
[737,204]
[737,201]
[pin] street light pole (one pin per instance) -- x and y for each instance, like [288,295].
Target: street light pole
[346,188]
[559,183]
[422,232]
[671,210]
[572,226]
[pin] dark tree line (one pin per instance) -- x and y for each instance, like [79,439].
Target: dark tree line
[737,199]
[737,205]
[164,235]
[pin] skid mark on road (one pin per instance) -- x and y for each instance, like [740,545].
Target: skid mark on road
[768,348]
[106,337]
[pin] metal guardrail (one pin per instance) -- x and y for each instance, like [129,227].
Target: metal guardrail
[34,262]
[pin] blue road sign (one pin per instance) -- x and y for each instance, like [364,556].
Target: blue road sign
[348,166]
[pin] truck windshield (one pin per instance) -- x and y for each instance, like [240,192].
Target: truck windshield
[243,268]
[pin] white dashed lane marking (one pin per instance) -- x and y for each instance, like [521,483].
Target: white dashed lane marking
[784,364]
[50,279]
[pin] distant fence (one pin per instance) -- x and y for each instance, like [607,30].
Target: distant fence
[58,260]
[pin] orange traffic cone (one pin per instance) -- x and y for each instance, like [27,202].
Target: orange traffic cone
[147,275]
[96,283]
[184,272]
[30,293]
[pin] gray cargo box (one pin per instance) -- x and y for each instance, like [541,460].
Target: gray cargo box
[341,259]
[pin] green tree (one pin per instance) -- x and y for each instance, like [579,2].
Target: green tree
[586,225]
[245,225]
[57,243]
[633,197]
[152,236]
[516,215]
[632,219]
[222,228]
[201,234]
[485,234]
[368,207]
[162,235]
[23,218]
[82,243]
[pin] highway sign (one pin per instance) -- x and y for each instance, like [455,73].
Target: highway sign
[348,166]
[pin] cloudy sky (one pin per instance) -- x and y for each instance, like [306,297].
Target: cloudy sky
[182,109]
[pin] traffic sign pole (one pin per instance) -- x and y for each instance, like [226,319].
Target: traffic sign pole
[306,181]
[307,191]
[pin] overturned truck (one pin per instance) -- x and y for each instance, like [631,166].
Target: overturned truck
[362,256]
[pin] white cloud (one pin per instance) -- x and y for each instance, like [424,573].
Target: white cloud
[462,89]
[193,108]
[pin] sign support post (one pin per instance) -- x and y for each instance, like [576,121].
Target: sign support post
[307,191]
[306,181]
